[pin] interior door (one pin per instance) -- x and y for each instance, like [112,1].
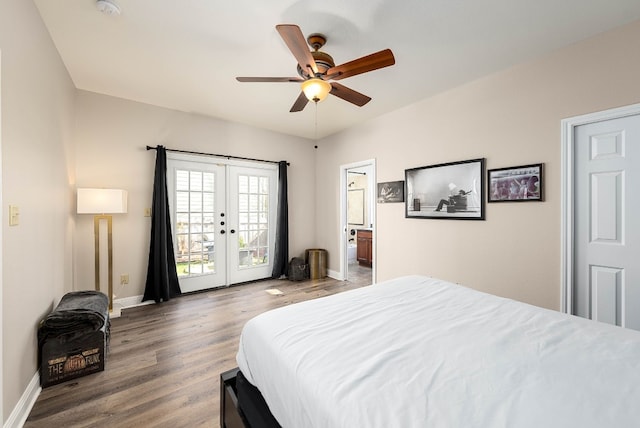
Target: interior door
[607,221]
[252,216]
[197,198]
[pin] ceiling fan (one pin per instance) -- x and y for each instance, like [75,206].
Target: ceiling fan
[316,69]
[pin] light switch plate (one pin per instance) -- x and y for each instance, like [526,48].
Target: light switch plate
[14,215]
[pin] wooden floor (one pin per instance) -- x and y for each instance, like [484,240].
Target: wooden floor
[164,360]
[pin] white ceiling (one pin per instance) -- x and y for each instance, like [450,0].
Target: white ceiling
[186,54]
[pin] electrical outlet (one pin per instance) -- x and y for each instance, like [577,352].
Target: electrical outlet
[124,279]
[147,212]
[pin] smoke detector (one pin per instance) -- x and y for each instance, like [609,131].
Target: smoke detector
[108,7]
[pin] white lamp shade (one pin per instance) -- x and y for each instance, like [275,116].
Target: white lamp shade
[102,201]
[316,89]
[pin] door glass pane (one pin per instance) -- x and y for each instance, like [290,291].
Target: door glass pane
[253,212]
[182,180]
[195,222]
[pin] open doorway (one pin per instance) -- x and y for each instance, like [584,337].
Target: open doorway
[357,221]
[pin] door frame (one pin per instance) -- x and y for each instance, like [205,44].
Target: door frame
[343,217]
[567,192]
[188,157]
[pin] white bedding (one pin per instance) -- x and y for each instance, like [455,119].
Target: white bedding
[420,352]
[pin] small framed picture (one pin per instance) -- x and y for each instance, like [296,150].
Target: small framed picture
[452,190]
[390,191]
[516,184]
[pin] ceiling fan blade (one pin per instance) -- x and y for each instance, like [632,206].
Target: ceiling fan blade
[300,103]
[349,94]
[297,44]
[362,65]
[269,79]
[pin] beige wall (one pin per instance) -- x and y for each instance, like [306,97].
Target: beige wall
[111,137]
[510,118]
[37,176]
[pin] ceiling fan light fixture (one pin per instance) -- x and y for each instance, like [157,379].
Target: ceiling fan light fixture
[316,89]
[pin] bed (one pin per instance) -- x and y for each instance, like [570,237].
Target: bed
[421,352]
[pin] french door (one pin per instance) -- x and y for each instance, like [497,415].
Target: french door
[223,220]
[252,202]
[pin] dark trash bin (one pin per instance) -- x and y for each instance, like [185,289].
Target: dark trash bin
[298,269]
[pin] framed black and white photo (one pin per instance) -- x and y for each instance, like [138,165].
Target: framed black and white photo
[390,191]
[446,191]
[516,184]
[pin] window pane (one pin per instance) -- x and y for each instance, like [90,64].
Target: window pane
[263,238]
[264,203]
[207,203]
[243,184]
[195,204]
[195,267]
[260,256]
[182,202]
[253,184]
[253,202]
[196,243]
[244,258]
[243,203]
[264,185]
[208,182]
[182,223]
[182,247]
[182,180]
[208,224]
[196,223]
[195,181]
[243,239]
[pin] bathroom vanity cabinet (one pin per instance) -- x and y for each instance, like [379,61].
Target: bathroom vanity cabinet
[364,253]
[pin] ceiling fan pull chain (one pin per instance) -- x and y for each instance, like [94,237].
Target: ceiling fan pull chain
[316,124]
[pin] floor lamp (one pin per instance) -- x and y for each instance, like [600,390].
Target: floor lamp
[102,203]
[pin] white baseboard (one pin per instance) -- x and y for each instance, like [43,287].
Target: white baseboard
[20,413]
[334,274]
[127,302]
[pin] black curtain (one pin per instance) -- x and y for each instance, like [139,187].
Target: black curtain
[281,256]
[162,277]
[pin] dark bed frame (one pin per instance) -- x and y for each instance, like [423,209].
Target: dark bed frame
[241,404]
[230,416]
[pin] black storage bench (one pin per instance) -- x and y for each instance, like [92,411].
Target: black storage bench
[73,339]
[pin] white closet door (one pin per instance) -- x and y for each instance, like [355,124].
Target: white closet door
[607,221]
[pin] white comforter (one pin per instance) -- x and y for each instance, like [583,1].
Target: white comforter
[419,352]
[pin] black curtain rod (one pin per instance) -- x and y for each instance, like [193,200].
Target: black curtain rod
[215,155]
